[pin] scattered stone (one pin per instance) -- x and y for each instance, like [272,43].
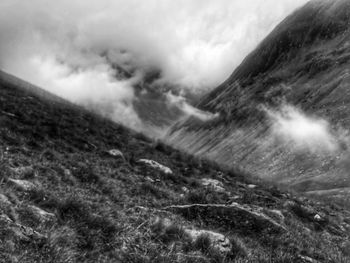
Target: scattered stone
[306,212]
[22,185]
[116,153]
[67,172]
[149,179]
[217,240]
[275,214]
[185,190]
[213,183]
[157,166]
[318,218]
[42,215]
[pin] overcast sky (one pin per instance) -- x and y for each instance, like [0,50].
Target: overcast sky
[67,46]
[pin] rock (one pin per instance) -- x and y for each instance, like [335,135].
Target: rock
[4,201]
[157,166]
[185,190]
[216,185]
[234,216]
[276,214]
[22,185]
[149,179]
[42,215]
[67,172]
[217,240]
[116,153]
[306,259]
[306,212]
[251,186]
[318,218]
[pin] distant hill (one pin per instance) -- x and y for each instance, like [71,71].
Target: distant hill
[76,187]
[303,63]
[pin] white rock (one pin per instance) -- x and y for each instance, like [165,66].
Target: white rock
[317,217]
[185,189]
[44,216]
[23,185]
[218,241]
[157,166]
[213,183]
[116,153]
[149,179]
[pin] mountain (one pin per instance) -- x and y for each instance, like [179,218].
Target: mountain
[300,71]
[77,187]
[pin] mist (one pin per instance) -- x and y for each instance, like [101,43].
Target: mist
[303,132]
[96,52]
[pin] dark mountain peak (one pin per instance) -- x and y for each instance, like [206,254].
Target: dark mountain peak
[310,26]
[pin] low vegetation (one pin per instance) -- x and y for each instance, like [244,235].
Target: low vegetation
[111,209]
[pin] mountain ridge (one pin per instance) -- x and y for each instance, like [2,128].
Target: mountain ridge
[303,63]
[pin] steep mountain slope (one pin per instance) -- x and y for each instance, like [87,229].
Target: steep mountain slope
[300,69]
[74,188]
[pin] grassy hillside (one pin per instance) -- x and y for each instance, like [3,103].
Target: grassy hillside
[64,197]
[304,62]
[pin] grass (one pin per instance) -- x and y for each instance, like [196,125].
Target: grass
[105,208]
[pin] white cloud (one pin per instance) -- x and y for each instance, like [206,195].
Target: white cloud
[68,46]
[304,132]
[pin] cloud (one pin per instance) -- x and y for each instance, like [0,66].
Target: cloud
[72,47]
[188,109]
[291,125]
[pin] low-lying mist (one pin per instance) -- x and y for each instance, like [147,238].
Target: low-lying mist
[291,125]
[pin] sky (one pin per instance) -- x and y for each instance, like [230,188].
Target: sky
[72,47]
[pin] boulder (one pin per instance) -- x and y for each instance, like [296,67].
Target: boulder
[216,185]
[116,153]
[22,185]
[156,165]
